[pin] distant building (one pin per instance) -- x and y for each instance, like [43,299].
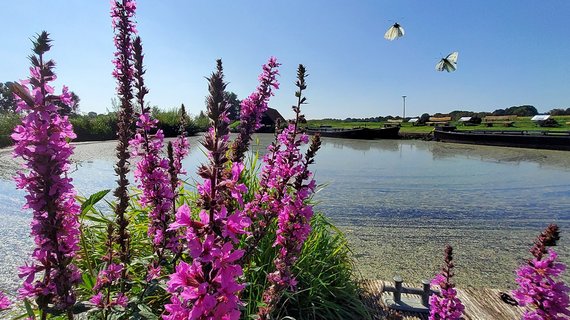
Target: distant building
[270,119]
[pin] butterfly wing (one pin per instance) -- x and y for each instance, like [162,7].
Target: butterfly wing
[391,34]
[394,32]
[440,66]
[452,57]
[448,63]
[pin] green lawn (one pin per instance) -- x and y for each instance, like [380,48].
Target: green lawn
[522,123]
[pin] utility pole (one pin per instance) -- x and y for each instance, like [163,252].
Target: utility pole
[404,113]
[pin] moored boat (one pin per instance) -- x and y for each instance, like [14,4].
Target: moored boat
[553,140]
[356,133]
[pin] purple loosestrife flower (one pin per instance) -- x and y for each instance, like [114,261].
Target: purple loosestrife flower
[253,107]
[538,284]
[105,279]
[4,302]
[208,287]
[122,13]
[273,182]
[445,306]
[180,145]
[152,172]
[108,278]
[177,151]
[42,142]
[286,169]
[154,181]
[180,151]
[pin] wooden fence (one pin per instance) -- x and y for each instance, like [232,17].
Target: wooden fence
[480,303]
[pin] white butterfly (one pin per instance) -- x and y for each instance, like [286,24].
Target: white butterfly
[448,63]
[394,32]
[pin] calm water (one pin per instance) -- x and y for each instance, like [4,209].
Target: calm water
[399,202]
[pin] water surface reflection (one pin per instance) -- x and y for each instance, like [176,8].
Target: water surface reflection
[398,201]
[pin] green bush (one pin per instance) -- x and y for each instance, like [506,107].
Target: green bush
[8,121]
[89,128]
[169,122]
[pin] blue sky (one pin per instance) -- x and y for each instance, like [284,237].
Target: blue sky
[510,52]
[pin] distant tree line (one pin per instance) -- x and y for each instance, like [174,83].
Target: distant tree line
[521,111]
[560,112]
[94,127]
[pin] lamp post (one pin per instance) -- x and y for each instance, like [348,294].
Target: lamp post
[404,113]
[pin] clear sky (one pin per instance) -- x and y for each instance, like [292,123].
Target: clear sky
[510,52]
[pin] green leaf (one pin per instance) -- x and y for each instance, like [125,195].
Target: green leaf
[116,315]
[96,219]
[93,199]
[22,316]
[146,312]
[88,281]
[29,309]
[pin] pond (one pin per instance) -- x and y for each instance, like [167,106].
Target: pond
[398,201]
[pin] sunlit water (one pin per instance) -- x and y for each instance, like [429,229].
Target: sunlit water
[399,202]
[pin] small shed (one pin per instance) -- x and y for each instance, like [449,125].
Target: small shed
[465,119]
[269,120]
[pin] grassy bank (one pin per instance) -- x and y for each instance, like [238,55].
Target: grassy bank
[522,123]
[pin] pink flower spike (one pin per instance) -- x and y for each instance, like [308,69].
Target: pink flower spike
[4,302]
[42,141]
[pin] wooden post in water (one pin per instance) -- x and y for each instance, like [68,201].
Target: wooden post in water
[398,286]
[426,293]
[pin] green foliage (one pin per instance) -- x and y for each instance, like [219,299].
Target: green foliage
[98,127]
[423,118]
[169,122]
[94,128]
[7,102]
[202,122]
[559,112]
[521,111]
[8,121]
[326,280]
[234,110]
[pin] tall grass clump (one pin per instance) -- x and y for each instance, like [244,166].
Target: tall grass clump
[326,287]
